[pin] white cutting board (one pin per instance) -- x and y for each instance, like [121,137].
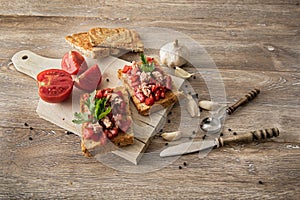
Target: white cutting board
[61,114]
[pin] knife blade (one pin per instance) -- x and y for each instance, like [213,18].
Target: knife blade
[191,147]
[188,147]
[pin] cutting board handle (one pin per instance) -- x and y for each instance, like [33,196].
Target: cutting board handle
[25,60]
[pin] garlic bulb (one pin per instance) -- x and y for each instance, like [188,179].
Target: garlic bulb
[170,136]
[172,54]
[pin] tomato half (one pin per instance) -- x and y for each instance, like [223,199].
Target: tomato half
[55,85]
[73,63]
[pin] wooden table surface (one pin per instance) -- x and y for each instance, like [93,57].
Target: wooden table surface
[253,44]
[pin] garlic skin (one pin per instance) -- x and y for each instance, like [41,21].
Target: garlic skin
[192,106]
[182,73]
[209,105]
[173,54]
[171,136]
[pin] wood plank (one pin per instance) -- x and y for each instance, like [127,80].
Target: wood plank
[246,38]
[252,43]
[241,166]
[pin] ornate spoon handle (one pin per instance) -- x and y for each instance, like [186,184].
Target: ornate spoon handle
[247,98]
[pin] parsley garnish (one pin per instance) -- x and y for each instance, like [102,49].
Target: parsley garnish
[101,110]
[97,110]
[146,66]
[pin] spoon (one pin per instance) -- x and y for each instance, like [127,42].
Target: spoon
[214,123]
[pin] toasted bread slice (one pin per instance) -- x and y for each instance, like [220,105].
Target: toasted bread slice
[91,147]
[102,42]
[171,97]
[119,38]
[81,42]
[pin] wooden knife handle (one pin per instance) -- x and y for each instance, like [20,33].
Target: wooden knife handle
[248,97]
[248,137]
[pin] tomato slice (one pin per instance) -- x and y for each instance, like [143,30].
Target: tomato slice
[55,85]
[73,63]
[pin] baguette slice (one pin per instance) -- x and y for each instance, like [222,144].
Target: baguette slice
[171,96]
[91,147]
[117,38]
[81,42]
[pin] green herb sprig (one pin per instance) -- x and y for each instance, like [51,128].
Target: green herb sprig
[97,110]
[146,66]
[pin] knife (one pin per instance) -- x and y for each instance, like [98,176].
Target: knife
[191,147]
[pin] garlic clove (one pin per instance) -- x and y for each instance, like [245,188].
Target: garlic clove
[209,105]
[171,136]
[182,73]
[192,106]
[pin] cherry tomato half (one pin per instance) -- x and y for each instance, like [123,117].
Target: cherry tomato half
[55,85]
[73,63]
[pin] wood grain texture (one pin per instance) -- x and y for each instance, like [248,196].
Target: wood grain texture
[253,44]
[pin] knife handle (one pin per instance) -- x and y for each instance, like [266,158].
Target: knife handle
[248,97]
[248,137]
